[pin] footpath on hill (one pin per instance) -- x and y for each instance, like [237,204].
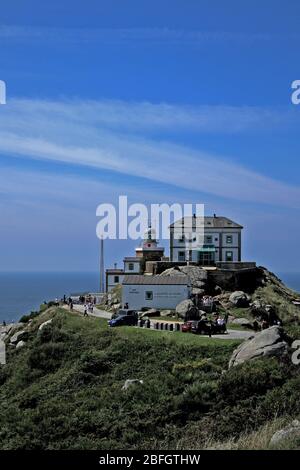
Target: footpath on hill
[231,334]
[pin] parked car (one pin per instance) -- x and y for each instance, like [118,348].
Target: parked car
[123,312]
[201,327]
[128,319]
[186,326]
[205,327]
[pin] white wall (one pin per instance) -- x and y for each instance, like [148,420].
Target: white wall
[111,283]
[136,267]
[215,234]
[164,296]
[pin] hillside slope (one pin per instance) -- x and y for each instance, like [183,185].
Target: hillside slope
[63,389]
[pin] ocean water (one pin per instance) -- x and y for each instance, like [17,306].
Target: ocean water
[291,280]
[20,293]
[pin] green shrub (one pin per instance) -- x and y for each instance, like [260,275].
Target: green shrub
[47,357]
[96,362]
[30,316]
[250,378]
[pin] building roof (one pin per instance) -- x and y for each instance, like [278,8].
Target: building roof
[132,258]
[115,271]
[209,222]
[155,280]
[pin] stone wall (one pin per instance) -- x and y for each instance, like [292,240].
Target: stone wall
[237,265]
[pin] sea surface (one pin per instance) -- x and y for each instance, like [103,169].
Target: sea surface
[21,293]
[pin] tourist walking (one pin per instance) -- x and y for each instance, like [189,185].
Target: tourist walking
[85,314]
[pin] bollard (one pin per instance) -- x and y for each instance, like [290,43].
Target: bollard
[166,328]
[162,326]
[156,325]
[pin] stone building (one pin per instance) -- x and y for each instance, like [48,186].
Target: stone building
[205,241]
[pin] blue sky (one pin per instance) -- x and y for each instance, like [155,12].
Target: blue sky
[165,101]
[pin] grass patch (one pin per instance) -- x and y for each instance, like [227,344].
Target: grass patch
[63,390]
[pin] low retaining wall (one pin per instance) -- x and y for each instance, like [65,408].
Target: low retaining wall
[159,325]
[236,265]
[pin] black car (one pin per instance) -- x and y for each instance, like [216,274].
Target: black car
[206,327]
[123,312]
[128,319]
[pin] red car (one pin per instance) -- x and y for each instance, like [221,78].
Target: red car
[186,327]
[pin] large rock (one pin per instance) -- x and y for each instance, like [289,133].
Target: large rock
[152,312]
[20,344]
[186,310]
[197,291]
[130,382]
[17,336]
[289,432]
[197,276]
[166,313]
[239,299]
[269,342]
[45,323]
[172,272]
[242,322]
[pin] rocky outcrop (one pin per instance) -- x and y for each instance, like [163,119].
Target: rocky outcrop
[113,299]
[183,308]
[289,432]
[269,342]
[242,322]
[18,336]
[152,312]
[172,272]
[166,313]
[44,324]
[239,299]
[197,276]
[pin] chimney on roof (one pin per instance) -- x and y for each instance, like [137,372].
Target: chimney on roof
[194,216]
[215,216]
[115,265]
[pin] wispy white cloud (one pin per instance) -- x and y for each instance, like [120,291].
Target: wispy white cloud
[78,134]
[117,36]
[145,117]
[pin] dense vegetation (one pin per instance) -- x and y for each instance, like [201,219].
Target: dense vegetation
[63,390]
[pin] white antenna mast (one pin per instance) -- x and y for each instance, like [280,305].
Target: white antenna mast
[101,265]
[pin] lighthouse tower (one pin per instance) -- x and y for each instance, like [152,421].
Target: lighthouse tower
[149,249]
